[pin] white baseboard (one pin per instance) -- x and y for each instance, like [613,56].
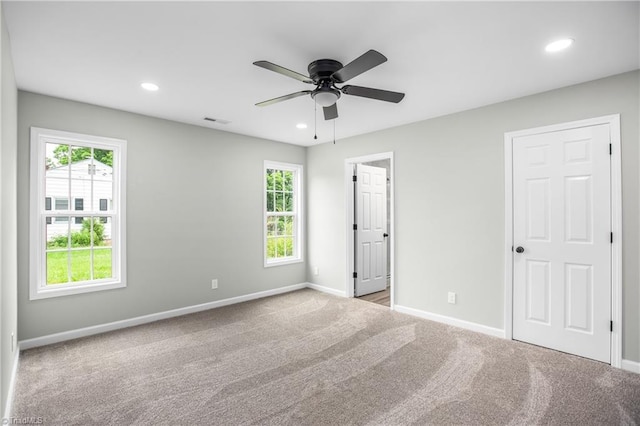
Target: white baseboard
[327,290]
[116,325]
[496,332]
[8,407]
[632,366]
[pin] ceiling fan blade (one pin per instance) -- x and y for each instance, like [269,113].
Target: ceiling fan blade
[359,65]
[367,92]
[284,71]
[283,98]
[330,112]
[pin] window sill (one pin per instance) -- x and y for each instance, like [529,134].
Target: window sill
[287,261]
[67,290]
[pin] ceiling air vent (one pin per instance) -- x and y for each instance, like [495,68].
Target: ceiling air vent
[217,120]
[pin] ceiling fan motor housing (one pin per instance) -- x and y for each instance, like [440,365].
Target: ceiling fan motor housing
[322,69]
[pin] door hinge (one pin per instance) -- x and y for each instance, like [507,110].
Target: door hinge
[355,226]
[355,275]
[611,326]
[355,178]
[511,248]
[610,149]
[612,238]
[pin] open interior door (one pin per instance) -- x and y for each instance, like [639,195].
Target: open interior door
[371,229]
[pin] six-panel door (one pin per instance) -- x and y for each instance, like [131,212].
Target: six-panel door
[562,220]
[371,214]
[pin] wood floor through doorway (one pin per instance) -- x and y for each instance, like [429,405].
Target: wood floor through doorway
[381,297]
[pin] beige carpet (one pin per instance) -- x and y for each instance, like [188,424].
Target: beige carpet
[309,358]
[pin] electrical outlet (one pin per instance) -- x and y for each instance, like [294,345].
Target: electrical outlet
[214,284]
[316,271]
[451,298]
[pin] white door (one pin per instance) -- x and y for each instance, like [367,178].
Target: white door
[562,241]
[370,235]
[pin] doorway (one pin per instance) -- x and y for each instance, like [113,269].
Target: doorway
[369,190]
[563,233]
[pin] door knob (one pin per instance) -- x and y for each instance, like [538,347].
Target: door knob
[520,249]
[385,235]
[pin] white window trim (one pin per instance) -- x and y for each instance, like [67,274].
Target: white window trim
[298,196]
[37,229]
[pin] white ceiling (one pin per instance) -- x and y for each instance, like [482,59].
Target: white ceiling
[446,56]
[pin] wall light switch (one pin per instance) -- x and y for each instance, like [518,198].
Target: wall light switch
[451,298]
[214,284]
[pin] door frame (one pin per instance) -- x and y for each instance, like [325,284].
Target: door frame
[349,164]
[616,224]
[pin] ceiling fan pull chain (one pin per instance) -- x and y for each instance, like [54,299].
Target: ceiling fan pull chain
[315,119]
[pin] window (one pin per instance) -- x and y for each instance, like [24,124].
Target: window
[76,245]
[282,213]
[61,204]
[47,206]
[79,205]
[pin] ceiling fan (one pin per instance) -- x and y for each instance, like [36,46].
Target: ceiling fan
[325,74]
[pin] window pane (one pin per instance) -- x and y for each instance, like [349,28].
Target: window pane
[47,203]
[271,248]
[103,194]
[56,155]
[270,201]
[102,263]
[81,232]
[56,171]
[288,245]
[288,225]
[278,180]
[269,177]
[277,248]
[271,226]
[280,225]
[81,190]
[281,251]
[288,202]
[80,162]
[57,267]
[80,265]
[61,220]
[103,162]
[79,204]
[57,234]
[102,231]
[288,181]
[279,201]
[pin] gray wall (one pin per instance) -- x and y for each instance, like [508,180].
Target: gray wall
[203,220]
[194,212]
[449,183]
[8,219]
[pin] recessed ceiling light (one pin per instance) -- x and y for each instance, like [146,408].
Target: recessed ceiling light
[301,125]
[150,87]
[559,45]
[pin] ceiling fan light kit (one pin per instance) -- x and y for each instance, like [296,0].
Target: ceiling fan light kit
[325,74]
[326,98]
